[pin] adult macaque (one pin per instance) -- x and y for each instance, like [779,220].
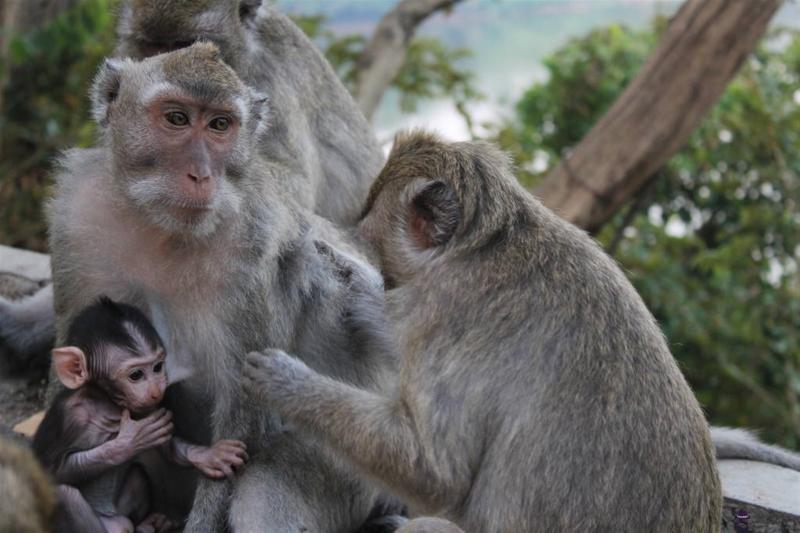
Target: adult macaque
[27,497]
[536,392]
[324,147]
[317,133]
[114,371]
[176,213]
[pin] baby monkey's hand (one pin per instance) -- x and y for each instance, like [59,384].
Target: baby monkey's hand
[220,460]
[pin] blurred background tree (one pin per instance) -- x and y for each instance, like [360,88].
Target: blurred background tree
[44,108]
[712,244]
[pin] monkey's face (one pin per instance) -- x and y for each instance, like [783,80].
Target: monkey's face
[181,132]
[138,381]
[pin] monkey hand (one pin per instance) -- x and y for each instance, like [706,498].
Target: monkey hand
[220,460]
[136,436]
[356,273]
[274,375]
[155,523]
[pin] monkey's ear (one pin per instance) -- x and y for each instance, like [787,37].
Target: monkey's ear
[434,214]
[105,89]
[70,365]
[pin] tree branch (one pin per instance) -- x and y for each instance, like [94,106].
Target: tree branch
[701,50]
[385,52]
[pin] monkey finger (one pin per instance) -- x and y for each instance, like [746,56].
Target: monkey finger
[233,447]
[161,436]
[158,429]
[213,473]
[232,460]
[234,443]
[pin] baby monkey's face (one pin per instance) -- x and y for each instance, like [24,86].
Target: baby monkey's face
[140,379]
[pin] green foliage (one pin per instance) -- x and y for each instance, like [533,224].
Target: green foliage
[431,69]
[713,245]
[44,109]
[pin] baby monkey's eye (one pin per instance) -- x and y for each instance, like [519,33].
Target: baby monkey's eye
[177,118]
[220,124]
[136,375]
[158,367]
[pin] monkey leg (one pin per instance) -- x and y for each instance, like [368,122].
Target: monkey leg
[430,525]
[75,515]
[296,487]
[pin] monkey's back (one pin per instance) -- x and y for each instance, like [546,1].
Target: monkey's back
[582,417]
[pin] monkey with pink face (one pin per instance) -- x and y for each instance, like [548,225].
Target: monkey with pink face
[114,369]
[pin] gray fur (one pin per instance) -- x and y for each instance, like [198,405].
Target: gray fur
[317,132]
[536,392]
[26,328]
[251,276]
[430,525]
[735,443]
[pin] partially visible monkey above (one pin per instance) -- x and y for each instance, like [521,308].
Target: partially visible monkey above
[536,392]
[114,369]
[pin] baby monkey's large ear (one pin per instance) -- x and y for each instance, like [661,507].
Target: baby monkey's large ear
[70,365]
[434,214]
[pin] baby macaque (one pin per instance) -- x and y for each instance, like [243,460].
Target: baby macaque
[113,367]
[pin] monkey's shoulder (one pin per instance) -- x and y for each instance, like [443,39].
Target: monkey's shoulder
[80,164]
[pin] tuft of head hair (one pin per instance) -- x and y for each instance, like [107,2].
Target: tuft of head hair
[161,19]
[464,189]
[201,71]
[109,323]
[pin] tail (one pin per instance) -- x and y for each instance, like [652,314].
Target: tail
[734,443]
[28,325]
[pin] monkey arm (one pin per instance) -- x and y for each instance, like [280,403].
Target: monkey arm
[82,466]
[375,432]
[209,508]
[217,461]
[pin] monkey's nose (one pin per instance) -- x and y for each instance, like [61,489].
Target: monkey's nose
[199,178]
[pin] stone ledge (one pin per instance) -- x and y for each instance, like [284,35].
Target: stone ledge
[31,264]
[769,495]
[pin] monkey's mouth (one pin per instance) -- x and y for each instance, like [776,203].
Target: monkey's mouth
[190,210]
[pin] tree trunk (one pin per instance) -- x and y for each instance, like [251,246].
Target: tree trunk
[385,52]
[701,50]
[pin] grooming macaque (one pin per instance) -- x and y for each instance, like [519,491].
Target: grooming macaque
[176,212]
[317,133]
[27,497]
[536,392]
[114,370]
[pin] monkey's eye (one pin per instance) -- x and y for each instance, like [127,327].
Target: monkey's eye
[136,375]
[177,118]
[158,367]
[219,124]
